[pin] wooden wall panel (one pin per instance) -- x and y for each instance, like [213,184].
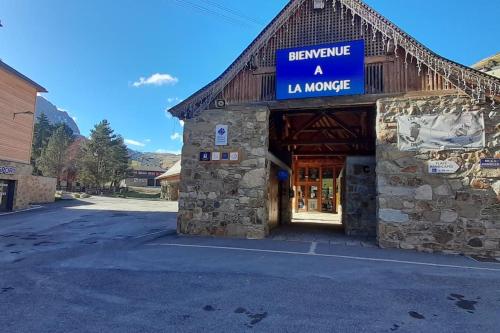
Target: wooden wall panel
[16,135]
[386,72]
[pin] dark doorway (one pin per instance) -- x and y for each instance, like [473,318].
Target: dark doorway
[322,146]
[7,190]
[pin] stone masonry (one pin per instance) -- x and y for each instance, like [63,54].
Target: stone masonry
[451,213]
[359,217]
[226,198]
[29,189]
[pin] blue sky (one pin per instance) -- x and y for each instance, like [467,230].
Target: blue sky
[92,54]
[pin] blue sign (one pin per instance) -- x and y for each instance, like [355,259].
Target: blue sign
[205,156]
[490,163]
[321,70]
[282,175]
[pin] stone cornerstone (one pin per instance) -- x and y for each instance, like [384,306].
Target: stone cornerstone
[452,213]
[226,198]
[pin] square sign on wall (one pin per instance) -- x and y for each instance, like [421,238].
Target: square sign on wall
[322,70]
[221,132]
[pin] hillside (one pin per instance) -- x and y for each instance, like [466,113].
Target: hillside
[55,115]
[163,161]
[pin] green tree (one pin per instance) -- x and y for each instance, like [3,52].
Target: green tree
[52,161]
[42,132]
[120,162]
[104,158]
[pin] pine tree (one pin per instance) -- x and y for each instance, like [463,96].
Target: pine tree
[104,158]
[120,158]
[42,132]
[52,161]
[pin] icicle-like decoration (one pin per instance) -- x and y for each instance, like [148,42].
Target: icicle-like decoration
[458,76]
[453,73]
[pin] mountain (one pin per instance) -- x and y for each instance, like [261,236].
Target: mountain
[55,115]
[164,161]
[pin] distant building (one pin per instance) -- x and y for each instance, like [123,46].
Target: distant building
[169,182]
[18,187]
[489,65]
[143,177]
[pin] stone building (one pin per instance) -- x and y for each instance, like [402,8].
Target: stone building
[142,176]
[18,188]
[169,182]
[334,109]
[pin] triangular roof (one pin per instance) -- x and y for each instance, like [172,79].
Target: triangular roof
[473,82]
[173,171]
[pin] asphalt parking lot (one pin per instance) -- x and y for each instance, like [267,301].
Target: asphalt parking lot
[116,265]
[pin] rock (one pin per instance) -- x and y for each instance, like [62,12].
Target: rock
[396,191]
[423,192]
[393,215]
[448,216]
[442,236]
[254,178]
[496,187]
[475,242]
[480,184]
[442,190]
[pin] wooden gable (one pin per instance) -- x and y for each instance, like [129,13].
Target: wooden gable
[394,62]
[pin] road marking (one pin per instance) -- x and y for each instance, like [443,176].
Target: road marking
[22,210]
[151,234]
[312,249]
[417,263]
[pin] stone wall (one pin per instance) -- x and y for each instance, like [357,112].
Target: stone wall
[225,199]
[43,189]
[455,213]
[170,190]
[29,189]
[359,217]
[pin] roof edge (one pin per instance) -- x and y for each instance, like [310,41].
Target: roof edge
[23,77]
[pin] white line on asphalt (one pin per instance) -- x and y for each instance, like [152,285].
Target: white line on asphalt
[312,249]
[327,255]
[22,210]
[151,234]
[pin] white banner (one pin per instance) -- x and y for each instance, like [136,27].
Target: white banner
[449,131]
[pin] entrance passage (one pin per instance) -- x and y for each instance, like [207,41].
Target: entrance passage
[7,190]
[331,154]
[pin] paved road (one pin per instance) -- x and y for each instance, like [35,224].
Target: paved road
[135,275]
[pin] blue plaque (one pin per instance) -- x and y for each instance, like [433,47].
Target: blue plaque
[205,156]
[490,163]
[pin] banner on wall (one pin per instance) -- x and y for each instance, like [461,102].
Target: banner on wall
[448,131]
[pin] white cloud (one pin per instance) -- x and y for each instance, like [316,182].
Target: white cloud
[156,80]
[75,119]
[166,151]
[181,122]
[147,140]
[176,136]
[172,100]
[134,143]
